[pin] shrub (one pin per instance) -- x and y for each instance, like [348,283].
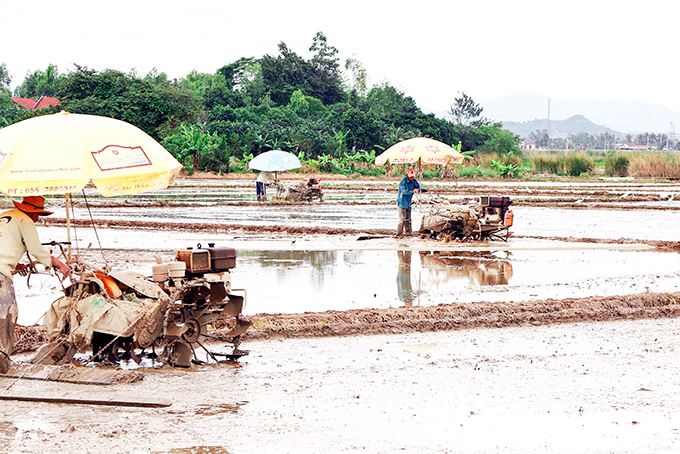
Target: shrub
[616,165]
[577,164]
[547,163]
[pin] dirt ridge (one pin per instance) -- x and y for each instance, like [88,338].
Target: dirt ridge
[464,316]
[442,317]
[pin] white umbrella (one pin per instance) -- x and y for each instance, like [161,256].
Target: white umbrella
[275,161]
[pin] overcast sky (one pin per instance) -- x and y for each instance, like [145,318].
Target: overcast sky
[432,50]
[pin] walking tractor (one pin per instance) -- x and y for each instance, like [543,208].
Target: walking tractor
[488,218]
[308,190]
[126,315]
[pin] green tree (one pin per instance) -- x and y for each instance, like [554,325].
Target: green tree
[8,110]
[299,104]
[325,78]
[391,105]
[154,107]
[195,149]
[541,138]
[5,78]
[287,72]
[363,129]
[499,140]
[39,83]
[465,111]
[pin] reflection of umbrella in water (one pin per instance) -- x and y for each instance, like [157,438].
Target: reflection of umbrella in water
[61,153]
[275,161]
[420,150]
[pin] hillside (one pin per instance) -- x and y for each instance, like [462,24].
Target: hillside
[559,128]
[626,117]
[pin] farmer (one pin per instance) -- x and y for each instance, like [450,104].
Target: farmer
[263,179]
[18,235]
[407,186]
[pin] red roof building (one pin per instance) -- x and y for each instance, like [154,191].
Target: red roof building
[32,104]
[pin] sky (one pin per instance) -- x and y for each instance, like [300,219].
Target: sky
[433,51]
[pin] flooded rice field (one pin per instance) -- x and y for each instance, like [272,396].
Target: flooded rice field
[299,281]
[588,388]
[591,387]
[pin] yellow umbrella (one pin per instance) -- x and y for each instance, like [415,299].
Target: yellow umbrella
[420,150]
[61,153]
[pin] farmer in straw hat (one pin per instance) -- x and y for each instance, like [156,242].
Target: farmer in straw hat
[18,235]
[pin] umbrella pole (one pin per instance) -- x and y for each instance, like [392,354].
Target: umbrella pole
[68,223]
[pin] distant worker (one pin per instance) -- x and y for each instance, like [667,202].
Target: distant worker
[407,186]
[263,179]
[18,235]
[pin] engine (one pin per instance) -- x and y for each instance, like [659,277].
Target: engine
[122,314]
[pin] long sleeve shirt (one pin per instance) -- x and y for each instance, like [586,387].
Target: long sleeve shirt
[406,188]
[266,177]
[18,235]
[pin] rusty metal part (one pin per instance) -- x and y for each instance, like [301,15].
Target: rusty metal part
[174,315]
[483,219]
[54,353]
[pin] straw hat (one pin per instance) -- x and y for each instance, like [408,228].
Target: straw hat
[33,204]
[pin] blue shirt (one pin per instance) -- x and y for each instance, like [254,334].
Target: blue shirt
[406,188]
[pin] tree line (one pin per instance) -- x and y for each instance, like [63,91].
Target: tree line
[316,107]
[603,141]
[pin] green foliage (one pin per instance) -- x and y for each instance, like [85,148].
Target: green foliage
[390,105]
[156,107]
[357,81]
[498,140]
[197,150]
[8,110]
[509,166]
[577,164]
[616,165]
[39,83]
[241,164]
[507,170]
[465,111]
[5,79]
[288,72]
[218,121]
[477,171]
[363,131]
[299,104]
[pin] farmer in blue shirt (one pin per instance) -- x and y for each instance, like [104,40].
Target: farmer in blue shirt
[407,186]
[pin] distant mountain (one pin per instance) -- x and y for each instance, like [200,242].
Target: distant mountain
[628,117]
[559,128]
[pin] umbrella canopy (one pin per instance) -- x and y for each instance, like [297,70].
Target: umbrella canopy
[275,161]
[62,152]
[420,150]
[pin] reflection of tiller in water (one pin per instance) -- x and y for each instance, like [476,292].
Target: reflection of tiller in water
[487,218]
[307,191]
[479,267]
[123,310]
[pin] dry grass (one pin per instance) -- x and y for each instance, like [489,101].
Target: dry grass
[654,165]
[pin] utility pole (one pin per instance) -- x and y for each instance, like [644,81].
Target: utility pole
[548,123]
[671,134]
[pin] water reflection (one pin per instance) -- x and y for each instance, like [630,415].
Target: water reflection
[404,288]
[299,281]
[478,267]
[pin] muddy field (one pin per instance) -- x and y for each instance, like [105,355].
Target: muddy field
[593,373]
